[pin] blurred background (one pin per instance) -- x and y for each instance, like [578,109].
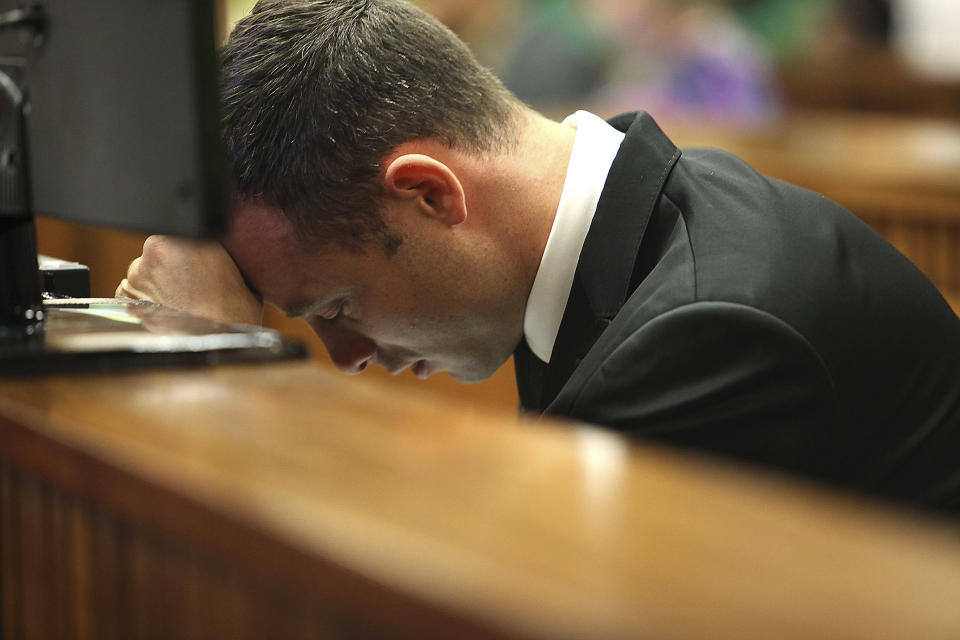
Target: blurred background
[733,62]
[856,99]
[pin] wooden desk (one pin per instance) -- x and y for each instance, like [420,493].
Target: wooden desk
[899,174]
[867,79]
[284,501]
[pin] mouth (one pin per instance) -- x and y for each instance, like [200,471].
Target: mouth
[420,369]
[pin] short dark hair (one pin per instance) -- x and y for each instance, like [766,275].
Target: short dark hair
[317,92]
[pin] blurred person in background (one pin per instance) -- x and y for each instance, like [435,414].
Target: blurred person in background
[684,60]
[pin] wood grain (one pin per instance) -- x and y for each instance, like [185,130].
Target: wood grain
[343,507]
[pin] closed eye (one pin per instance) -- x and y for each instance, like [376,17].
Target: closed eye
[340,313]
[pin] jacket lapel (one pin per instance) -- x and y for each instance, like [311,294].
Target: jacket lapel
[628,200]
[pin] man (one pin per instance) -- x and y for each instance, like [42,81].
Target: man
[389,191]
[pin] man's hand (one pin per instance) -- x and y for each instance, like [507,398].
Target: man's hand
[197,277]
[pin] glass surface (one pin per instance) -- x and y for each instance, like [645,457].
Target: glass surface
[101,334]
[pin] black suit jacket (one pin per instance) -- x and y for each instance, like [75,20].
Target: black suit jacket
[720,309]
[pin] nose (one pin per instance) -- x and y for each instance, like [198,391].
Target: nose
[350,351]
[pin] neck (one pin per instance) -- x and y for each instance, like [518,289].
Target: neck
[511,201]
[520,190]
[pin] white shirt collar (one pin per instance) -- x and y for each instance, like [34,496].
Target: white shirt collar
[594,148]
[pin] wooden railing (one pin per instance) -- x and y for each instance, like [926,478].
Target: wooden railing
[285,501]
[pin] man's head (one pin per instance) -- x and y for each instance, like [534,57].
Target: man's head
[449,298]
[360,133]
[316,93]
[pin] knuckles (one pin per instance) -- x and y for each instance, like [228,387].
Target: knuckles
[156,250]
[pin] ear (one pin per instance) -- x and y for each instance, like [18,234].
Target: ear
[430,184]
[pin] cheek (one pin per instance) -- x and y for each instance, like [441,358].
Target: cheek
[387,312]
[410,322]
[416,302]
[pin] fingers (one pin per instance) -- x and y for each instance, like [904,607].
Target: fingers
[197,277]
[126,290]
[128,287]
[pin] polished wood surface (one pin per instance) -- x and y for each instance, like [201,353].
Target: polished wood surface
[867,79]
[291,502]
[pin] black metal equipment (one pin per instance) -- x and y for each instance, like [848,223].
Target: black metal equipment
[109,115]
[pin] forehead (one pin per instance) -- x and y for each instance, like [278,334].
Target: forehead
[257,232]
[263,244]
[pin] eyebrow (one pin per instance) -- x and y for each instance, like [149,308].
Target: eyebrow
[297,309]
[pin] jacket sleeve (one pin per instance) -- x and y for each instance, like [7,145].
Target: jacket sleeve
[720,377]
